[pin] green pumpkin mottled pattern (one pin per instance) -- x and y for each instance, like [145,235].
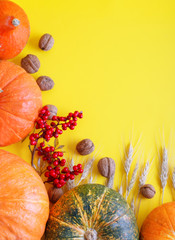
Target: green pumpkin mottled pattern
[92,206]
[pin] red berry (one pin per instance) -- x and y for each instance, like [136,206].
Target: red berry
[48,132]
[52,149]
[74,124]
[44,158]
[79,166]
[72,127]
[32,138]
[55,163]
[80,115]
[56,135]
[49,161]
[59,185]
[76,173]
[71,121]
[75,168]
[57,168]
[65,170]
[36,135]
[45,117]
[47,149]
[62,163]
[72,177]
[62,176]
[54,118]
[64,127]
[57,172]
[40,121]
[62,182]
[56,181]
[42,144]
[42,111]
[67,175]
[75,118]
[80,170]
[55,155]
[53,124]
[75,114]
[62,118]
[47,174]
[47,126]
[45,107]
[49,168]
[40,153]
[33,142]
[42,126]
[47,113]
[60,154]
[37,126]
[70,114]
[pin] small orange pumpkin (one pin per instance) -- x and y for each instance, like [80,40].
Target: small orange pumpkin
[14,29]
[24,204]
[160,223]
[20,102]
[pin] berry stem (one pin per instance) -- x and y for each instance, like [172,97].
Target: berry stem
[33,154]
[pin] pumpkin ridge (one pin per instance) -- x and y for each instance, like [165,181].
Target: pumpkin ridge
[169,220]
[13,79]
[69,225]
[116,219]
[94,222]
[151,234]
[163,227]
[80,208]
[14,115]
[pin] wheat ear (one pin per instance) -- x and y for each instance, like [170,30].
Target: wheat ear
[132,181]
[71,183]
[87,168]
[164,171]
[128,162]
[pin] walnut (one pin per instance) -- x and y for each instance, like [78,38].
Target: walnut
[148,191]
[85,147]
[106,167]
[45,83]
[46,42]
[30,63]
[55,194]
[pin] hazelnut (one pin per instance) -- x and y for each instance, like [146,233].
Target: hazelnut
[30,63]
[53,111]
[55,194]
[46,42]
[85,147]
[148,191]
[106,167]
[45,83]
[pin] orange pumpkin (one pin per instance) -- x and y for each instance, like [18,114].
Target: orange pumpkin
[20,102]
[14,29]
[24,204]
[160,223]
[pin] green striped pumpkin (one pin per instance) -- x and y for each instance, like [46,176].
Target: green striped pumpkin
[91,212]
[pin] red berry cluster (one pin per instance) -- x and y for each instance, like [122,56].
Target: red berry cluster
[54,158]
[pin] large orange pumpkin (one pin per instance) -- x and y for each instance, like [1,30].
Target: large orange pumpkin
[14,29]
[20,101]
[160,223]
[24,204]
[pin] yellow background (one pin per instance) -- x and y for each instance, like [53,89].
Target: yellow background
[115,61]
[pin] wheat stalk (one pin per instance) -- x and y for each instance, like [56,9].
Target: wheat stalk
[121,190]
[87,168]
[173,178]
[132,205]
[132,181]
[142,181]
[164,171]
[128,162]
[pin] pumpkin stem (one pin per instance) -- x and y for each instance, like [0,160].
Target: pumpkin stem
[8,23]
[90,234]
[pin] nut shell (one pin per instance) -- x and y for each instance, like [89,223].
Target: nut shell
[148,191]
[53,111]
[45,83]
[85,147]
[55,194]
[106,167]
[30,63]
[46,42]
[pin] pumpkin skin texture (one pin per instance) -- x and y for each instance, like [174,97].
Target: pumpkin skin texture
[20,102]
[160,223]
[24,204]
[13,37]
[91,208]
